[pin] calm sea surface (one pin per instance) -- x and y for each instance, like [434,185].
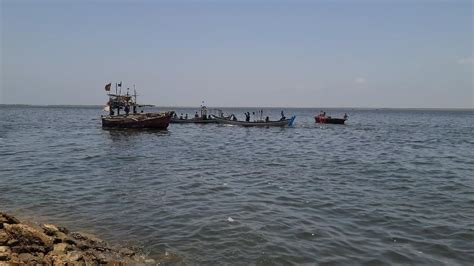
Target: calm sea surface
[390,187]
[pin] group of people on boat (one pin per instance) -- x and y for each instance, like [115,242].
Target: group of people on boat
[248,116]
[126,109]
[196,116]
[322,114]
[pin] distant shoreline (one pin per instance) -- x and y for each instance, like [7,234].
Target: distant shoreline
[250,107]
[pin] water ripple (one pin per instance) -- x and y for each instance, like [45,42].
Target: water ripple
[391,187]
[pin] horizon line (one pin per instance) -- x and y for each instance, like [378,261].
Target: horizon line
[264,107]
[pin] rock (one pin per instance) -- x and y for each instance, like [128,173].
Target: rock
[55,259]
[12,242]
[127,252]
[63,230]
[7,219]
[29,244]
[73,256]
[69,241]
[99,257]
[29,258]
[39,255]
[57,234]
[27,236]
[3,237]
[50,229]
[61,248]
[93,240]
[78,236]
[30,249]
[83,246]
[5,253]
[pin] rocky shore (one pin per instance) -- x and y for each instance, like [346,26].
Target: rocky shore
[23,243]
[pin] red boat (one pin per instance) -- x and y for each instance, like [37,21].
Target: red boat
[329,120]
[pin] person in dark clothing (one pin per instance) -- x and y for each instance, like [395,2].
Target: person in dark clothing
[127,109]
[134,109]
[282,115]
[267,119]
[247,117]
[196,115]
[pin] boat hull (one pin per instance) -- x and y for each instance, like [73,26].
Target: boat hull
[192,121]
[327,120]
[280,123]
[148,120]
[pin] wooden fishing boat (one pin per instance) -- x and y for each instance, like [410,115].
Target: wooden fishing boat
[196,120]
[329,120]
[132,118]
[279,123]
[142,120]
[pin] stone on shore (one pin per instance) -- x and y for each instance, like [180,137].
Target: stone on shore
[30,244]
[7,219]
[28,236]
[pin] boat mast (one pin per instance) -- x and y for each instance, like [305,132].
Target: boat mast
[135,94]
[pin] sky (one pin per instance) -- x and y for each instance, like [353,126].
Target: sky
[387,53]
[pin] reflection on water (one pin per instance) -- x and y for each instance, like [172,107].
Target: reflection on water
[391,186]
[127,133]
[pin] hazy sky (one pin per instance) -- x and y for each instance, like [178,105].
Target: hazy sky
[240,53]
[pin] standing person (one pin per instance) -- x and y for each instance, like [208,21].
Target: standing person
[247,117]
[186,116]
[345,116]
[282,115]
[196,115]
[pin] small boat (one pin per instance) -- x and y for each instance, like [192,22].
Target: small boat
[329,120]
[131,118]
[197,119]
[259,123]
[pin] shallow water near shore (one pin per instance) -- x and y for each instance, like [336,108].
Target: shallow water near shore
[391,186]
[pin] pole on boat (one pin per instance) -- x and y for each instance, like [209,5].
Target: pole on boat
[135,94]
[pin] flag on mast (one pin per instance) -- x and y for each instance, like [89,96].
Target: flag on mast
[107,87]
